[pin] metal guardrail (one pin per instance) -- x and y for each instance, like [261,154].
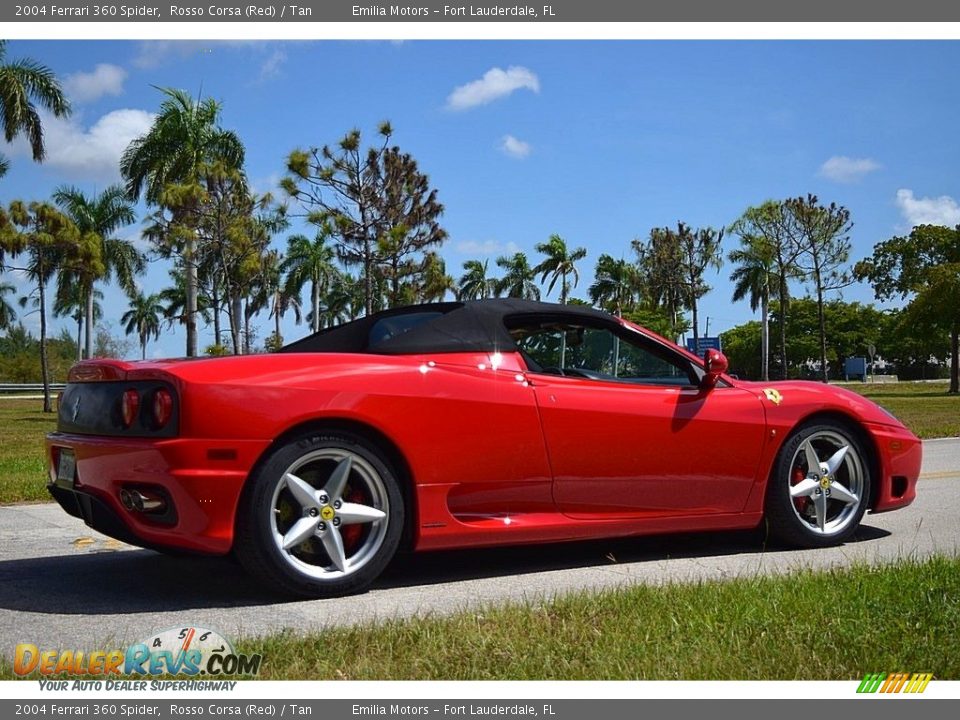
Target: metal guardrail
[29,387]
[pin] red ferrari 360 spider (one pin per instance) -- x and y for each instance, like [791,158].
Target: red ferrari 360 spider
[461,425]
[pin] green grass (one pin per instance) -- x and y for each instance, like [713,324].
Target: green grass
[23,425]
[833,625]
[823,625]
[925,408]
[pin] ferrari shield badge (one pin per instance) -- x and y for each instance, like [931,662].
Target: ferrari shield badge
[773,395]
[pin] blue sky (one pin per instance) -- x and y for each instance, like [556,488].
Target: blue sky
[597,141]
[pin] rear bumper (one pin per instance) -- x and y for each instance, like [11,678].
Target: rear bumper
[94,513]
[900,453]
[202,479]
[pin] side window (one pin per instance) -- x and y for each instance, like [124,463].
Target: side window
[599,353]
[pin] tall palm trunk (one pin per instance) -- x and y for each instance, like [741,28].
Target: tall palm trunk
[190,251]
[235,311]
[783,326]
[215,300]
[79,336]
[955,357]
[822,324]
[276,315]
[315,299]
[765,335]
[44,371]
[88,335]
[696,329]
[367,278]
[246,326]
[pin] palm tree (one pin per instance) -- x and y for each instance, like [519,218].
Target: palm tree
[660,267]
[184,139]
[281,305]
[70,302]
[519,281]
[559,263]
[342,302]
[143,318]
[279,300]
[309,261]
[46,237]
[756,278]
[22,83]
[474,283]
[616,284]
[174,298]
[99,216]
[8,315]
[434,281]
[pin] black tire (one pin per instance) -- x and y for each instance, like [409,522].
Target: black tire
[795,521]
[271,506]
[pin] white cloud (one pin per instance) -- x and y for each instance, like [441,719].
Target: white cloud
[92,153]
[486,248]
[942,210]
[514,148]
[153,53]
[843,169]
[104,80]
[271,66]
[494,84]
[268,184]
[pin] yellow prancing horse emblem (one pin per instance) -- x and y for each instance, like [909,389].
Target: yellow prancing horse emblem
[773,395]
[327,513]
[825,482]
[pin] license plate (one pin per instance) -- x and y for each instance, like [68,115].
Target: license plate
[66,468]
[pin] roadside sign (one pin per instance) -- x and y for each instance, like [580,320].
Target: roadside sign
[705,343]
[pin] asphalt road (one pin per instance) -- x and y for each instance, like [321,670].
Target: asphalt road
[61,585]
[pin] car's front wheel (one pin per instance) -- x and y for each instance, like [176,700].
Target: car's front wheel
[820,486]
[322,516]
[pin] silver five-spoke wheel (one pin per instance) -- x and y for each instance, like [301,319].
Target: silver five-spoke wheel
[819,486]
[329,512]
[826,482]
[322,515]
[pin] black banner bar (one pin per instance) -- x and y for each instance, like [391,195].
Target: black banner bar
[336,709]
[456,11]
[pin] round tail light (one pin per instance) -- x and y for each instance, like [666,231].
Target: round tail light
[130,407]
[162,407]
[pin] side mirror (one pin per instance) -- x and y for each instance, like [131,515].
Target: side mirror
[715,364]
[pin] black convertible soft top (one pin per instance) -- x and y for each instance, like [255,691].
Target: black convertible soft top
[473,326]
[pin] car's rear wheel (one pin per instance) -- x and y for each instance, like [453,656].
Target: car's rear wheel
[322,516]
[820,485]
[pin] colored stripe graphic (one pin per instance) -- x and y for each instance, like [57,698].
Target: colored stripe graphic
[871,682]
[919,682]
[894,682]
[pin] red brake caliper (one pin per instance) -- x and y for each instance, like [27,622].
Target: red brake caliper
[797,477]
[351,534]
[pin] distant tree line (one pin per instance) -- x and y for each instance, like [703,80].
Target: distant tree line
[374,242]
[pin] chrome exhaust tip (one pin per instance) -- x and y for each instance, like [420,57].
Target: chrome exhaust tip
[142,502]
[147,503]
